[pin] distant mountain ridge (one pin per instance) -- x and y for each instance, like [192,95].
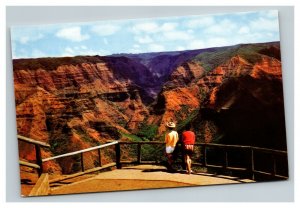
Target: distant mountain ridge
[77,102]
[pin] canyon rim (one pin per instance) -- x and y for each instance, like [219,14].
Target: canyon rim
[82,85]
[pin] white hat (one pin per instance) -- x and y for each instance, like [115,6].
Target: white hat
[171,125]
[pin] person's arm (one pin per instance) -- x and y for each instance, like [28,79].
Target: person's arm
[166,138]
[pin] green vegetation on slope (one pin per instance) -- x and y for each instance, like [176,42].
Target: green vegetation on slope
[148,132]
[184,122]
[149,152]
[250,52]
[132,137]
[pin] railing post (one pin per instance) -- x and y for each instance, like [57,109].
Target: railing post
[204,156]
[118,156]
[274,165]
[139,156]
[251,166]
[99,157]
[225,158]
[81,161]
[39,158]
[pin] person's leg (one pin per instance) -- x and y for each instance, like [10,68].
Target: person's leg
[185,161]
[170,161]
[189,163]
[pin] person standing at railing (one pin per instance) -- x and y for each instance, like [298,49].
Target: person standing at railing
[171,139]
[188,141]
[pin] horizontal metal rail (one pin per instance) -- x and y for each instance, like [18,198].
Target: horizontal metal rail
[142,142]
[80,151]
[118,163]
[38,153]
[222,147]
[211,145]
[279,152]
[270,174]
[32,141]
[83,173]
[27,164]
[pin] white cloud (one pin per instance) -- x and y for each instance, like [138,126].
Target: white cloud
[180,48]
[25,39]
[36,53]
[83,50]
[244,30]
[95,52]
[136,46]
[264,24]
[177,35]
[149,27]
[196,44]
[256,36]
[105,41]
[216,42]
[156,48]
[134,50]
[224,27]
[72,34]
[105,30]
[83,47]
[153,27]
[269,14]
[190,31]
[207,43]
[200,22]
[144,39]
[168,26]
[70,50]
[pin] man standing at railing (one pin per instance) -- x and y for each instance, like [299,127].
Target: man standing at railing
[171,139]
[188,141]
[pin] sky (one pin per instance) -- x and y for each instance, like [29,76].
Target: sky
[144,35]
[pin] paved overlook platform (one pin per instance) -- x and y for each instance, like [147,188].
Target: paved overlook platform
[142,177]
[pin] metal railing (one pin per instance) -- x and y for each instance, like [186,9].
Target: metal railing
[224,150]
[37,145]
[81,153]
[205,150]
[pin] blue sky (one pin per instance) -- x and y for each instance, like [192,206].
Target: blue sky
[144,35]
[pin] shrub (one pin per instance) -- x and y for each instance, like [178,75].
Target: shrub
[148,132]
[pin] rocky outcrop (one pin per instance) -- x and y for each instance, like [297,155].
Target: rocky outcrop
[240,101]
[247,103]
[268,67]
[235,67]
[67,106]
[75,103]
[184,74]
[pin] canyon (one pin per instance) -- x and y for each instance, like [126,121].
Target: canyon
[230,95]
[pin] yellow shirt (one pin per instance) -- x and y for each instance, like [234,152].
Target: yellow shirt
[171,138]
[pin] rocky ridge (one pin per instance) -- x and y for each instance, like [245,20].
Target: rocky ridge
[75,103]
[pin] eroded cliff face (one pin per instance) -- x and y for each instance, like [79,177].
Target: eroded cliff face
[190,87]
[249,109]
[239,101]
[178,97]
[74,107]
[75,103]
